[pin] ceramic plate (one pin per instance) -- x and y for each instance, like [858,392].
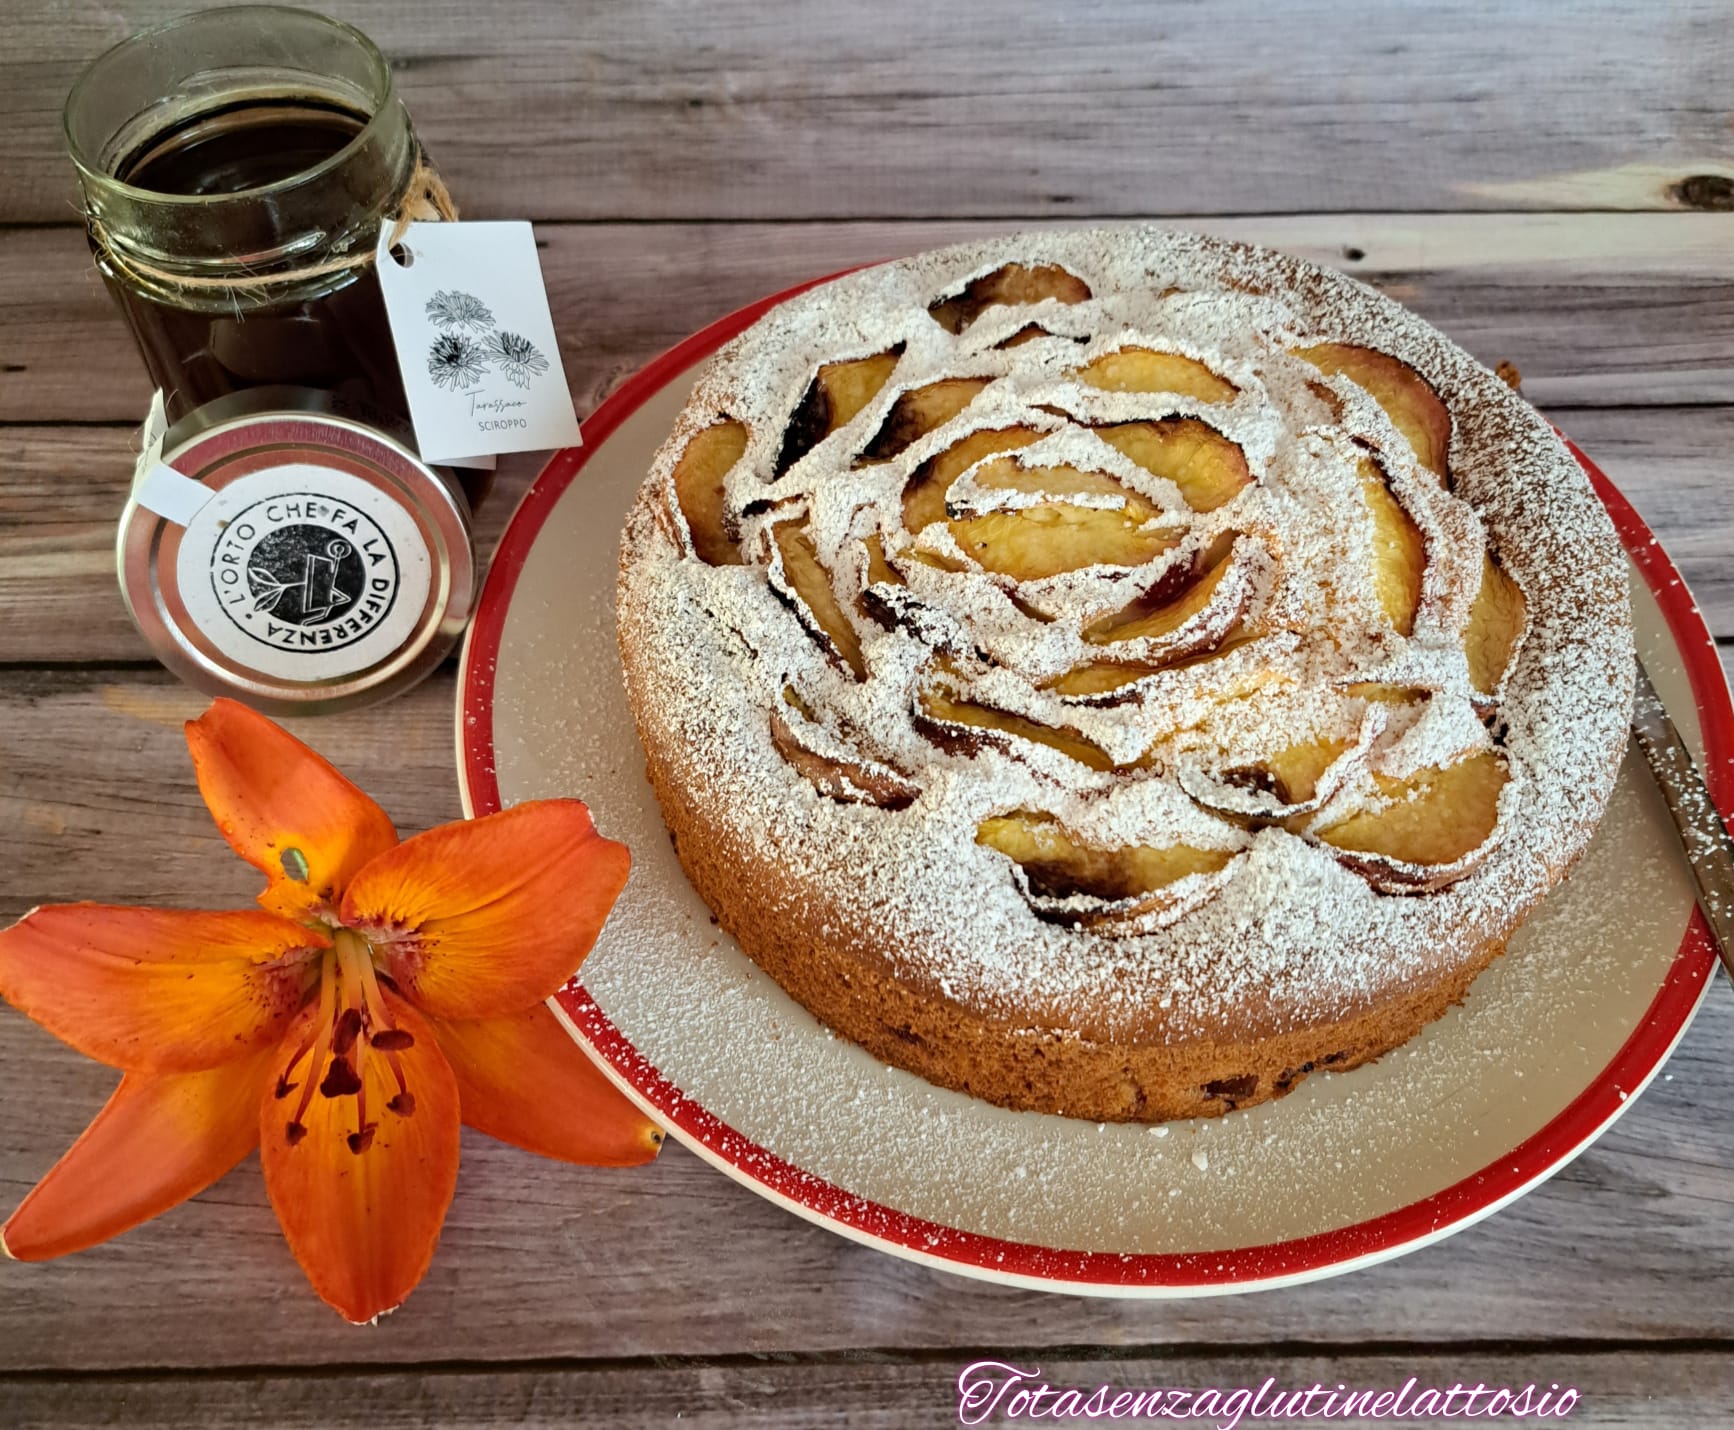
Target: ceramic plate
[1551,1045]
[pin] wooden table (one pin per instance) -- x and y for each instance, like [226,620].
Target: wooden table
[1550,183]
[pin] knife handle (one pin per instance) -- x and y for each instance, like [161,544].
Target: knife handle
[1703,832]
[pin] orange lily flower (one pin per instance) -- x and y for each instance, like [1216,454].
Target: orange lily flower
[384,993]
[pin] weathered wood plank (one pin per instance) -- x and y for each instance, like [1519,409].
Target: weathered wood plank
[1635,1240]
[1612,309]
[783,108]
[1619,1389]
[1674,470]
[62,489]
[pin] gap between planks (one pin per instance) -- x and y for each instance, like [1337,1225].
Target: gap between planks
[1151,1351]
[1107,218]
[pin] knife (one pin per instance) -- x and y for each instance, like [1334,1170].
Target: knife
[1703,834]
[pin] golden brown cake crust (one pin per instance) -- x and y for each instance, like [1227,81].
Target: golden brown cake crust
[1078,902]
[843,982]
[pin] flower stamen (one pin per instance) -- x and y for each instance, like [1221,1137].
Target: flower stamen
[341,1080]
[382,1037]
[352,964]
[363,1128]
[297,1126]
[348,1030]
[365,1031]
[403,1104]
[284,1086]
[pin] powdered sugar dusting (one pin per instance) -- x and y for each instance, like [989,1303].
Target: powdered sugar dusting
[1290,934]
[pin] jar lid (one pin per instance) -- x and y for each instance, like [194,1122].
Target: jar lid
[323,565]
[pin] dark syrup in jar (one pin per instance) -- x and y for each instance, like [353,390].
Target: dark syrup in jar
[333,336]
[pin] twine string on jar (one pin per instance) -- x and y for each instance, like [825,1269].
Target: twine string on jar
[425,199]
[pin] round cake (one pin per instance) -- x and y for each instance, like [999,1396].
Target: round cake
[1118,673]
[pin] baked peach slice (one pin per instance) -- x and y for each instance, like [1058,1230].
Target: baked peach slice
[924,497]
[1105,682]
[1209,469]
[1145,370]
[1007,474]
[1013,285]
[1028,334]
[809,592]
[884,599]
[963,727]
[1327,395]
[838,391]
[1497,618]
[1068,882]
[1036,542]
[850,386]
[1380,692]
[698,488]
[1399,553]
[852,781]
[1295,774]
[1426,831]
[917,412]
[1164,613]
[880,572]
[1054,535]
[1409,400]
[1285,786]
[1089,682]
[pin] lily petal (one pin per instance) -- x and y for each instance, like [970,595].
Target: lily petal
[362,1210]
[487,916]
[159,990]
[284,809]
[160,1139]
[522,1079]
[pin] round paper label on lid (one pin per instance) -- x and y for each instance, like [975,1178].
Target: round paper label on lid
[304,573]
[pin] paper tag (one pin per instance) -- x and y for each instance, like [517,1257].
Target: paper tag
[156,426]
[475,340]
[171,495]
[158,487]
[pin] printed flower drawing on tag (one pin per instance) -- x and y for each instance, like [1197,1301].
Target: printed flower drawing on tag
[449,308]
[517,357]
[460,356]
[456,361]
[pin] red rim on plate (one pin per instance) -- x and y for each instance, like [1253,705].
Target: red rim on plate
[1104,1273]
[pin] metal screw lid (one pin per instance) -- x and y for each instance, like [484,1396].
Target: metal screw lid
[308,561]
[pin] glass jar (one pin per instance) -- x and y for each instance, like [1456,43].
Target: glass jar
[237,166]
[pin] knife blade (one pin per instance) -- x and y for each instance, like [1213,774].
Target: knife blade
[1703,833]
